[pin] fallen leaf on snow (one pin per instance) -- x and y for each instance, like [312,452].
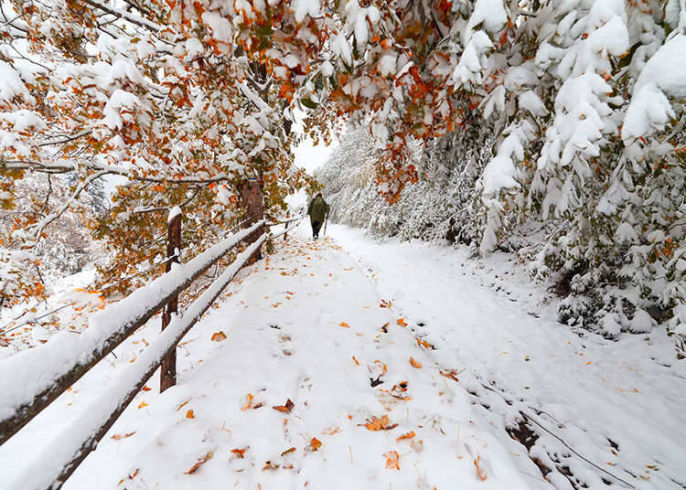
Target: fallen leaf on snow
[401,322]
[449,373]
[288,451]
[415,363]
[142,405]
[199,463]
[315,444]
[379,423]
[482,476]
[118,437]
[408,435]
[392,460]
[285,408]
[357,363]
[146,388]
[249,403]
[270,466]
[218,336]
[239,453]
[425,344]
[190,414]
[329,431]
[344,325]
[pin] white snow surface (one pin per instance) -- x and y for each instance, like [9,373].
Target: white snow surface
[312,323]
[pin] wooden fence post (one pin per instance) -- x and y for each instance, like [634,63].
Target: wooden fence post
[252,198]
[168,366]
[288,216]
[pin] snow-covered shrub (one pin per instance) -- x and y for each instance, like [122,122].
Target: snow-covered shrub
[569,151]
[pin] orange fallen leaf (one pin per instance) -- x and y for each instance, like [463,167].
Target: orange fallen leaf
[401,322]
[239,453]
[218,336]
[345,325]
[449,373]
[285,408]
[408,435]
[288,451]
[200,462]
[249,404]
[382,423]
[392,460]
[182,405]
[143,404]
[482,476]
[329,431]
[415,363]
[357,363]
[146,388]
[190,414]
[118,437]
[315,444]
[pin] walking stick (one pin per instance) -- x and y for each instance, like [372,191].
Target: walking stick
[326,222]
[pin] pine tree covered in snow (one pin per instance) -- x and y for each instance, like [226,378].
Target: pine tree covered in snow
[576,161]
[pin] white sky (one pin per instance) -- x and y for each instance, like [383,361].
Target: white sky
[311,157]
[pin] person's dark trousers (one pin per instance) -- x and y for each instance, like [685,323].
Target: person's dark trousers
[316,225]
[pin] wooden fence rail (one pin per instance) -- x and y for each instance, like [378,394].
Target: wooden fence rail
[50,369]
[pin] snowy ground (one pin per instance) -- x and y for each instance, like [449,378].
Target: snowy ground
[439,353]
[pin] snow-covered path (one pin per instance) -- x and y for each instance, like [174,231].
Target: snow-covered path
[441,371]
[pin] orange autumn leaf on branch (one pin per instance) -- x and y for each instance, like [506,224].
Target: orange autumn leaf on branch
[392,460]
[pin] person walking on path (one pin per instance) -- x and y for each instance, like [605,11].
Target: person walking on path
[318,211]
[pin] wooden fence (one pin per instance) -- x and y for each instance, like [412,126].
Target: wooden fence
[32,379]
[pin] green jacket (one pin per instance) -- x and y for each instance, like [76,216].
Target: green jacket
[318,209]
